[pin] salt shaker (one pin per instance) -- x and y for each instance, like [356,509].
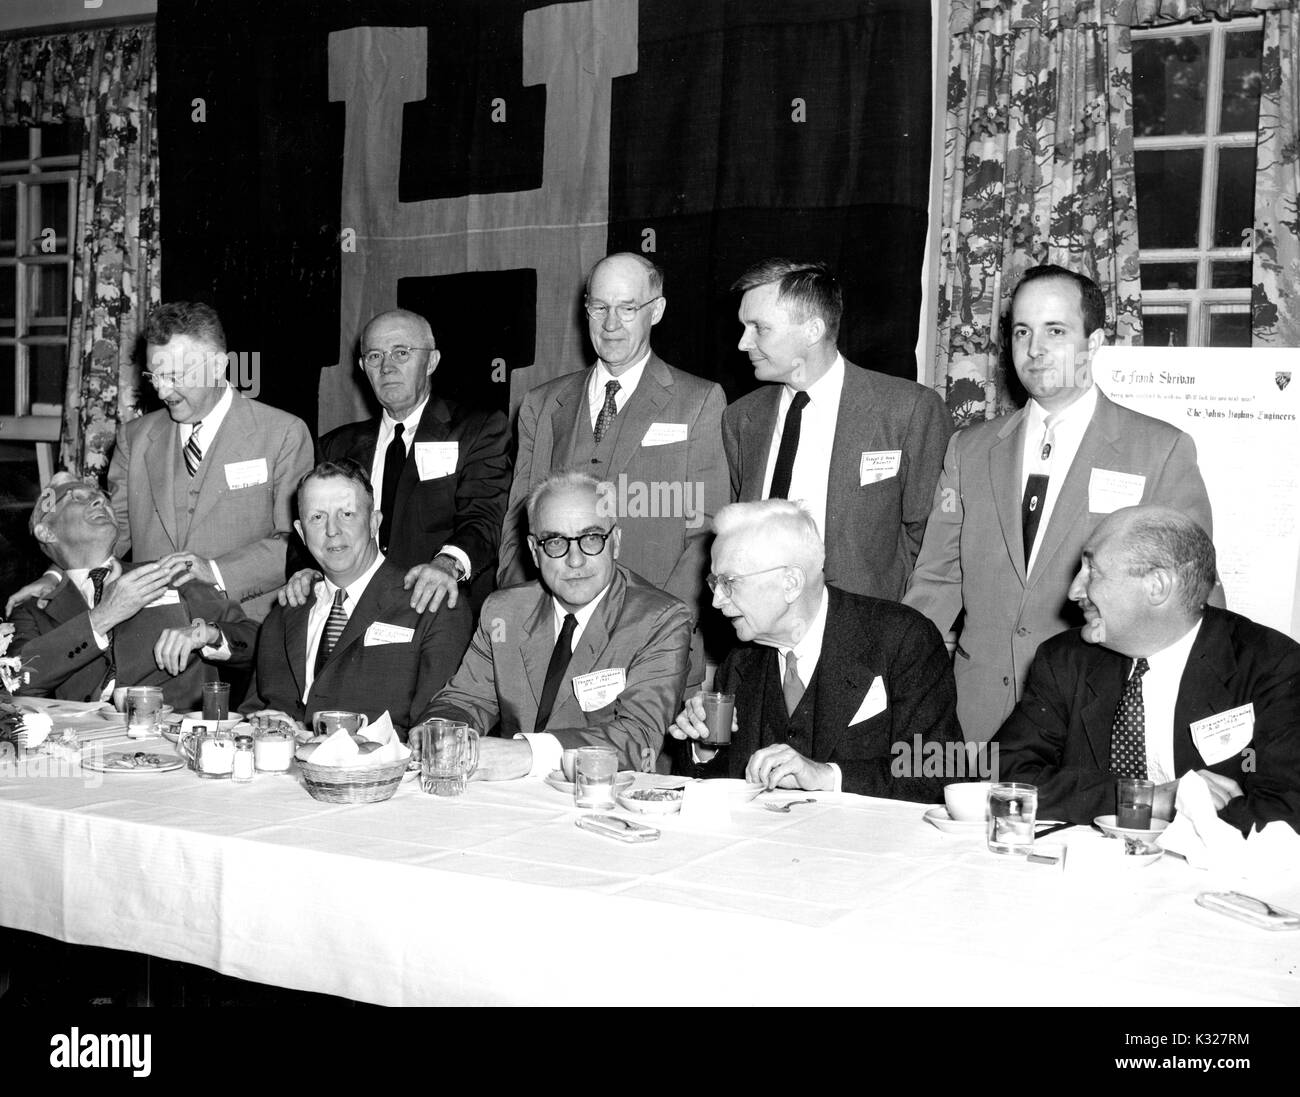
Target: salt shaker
[242,769]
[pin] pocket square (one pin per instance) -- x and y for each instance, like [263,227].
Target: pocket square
[873,704]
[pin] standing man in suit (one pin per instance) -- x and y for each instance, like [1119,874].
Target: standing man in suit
[589,656]
[1158,685]
[638,423]
[107,623]
[862,449]
[1020,495]
[442,470]
[358,644]
[833,689]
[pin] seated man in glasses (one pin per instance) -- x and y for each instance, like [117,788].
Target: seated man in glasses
[834,691]
[590,655]
[107,624]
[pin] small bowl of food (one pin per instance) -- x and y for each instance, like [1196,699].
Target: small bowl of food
[652,801]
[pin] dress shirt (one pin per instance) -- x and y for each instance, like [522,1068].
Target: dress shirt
[806,654]
[1160,687]
[387,425]
[600,377]
[207,432]
[320,612]
[545,746]
[1068,429]
[812,462]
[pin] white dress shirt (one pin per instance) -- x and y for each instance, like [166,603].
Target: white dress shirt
[1065,435]
[600,377]
[320,612]
[1159,697]
[207,435]
[387,426]
[545,746]
[812,462]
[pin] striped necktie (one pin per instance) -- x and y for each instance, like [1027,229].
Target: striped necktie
[193,454]
[334,626]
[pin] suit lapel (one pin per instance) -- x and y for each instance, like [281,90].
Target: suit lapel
[227,446]
[1004,473]
[843,678]
[1105,684]
[756,443]
[295,643]
[857,431]
[595,637]
[374,601]
[538,643]
[362,447]
[160,460]
[570,402]
[433,427]
[643,408]
[1203,690]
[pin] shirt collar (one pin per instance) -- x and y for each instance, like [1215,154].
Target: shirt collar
[1174,657]
[355,589]
[82,575]
[211,423]
[825,390]
[1078,412]
[411,422]
[627,380]
[583,615]
[808,650]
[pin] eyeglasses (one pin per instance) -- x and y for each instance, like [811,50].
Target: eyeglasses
[373,359]
[723,583]
[626,313]
[591,544]
[173,380]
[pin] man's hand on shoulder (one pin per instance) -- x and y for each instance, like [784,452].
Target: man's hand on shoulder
[297,591]
[126,597]
[40,589]
[430,583]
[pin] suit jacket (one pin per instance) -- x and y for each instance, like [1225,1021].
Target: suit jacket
[867,640]
[974,556]
[635,628]
[160,510]
[362,676]
[668,546]
[1059,736]
[873,532]
[58,645]
[464,508]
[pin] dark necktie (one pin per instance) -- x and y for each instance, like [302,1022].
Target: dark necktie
[193,455]
[1128,740]
[607,412]
[791,686]
[555,669]
[1031,510]
[394,460]
[98,576]
[335,623]
[789,448]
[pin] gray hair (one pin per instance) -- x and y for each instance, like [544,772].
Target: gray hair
[1157,538]
[776,518]
[563,480]
[426,331]
[653,271]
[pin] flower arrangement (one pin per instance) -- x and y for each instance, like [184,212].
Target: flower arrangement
[18,730]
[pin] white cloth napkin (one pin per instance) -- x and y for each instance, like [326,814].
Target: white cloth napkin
[340,749]
[1207,842]
[37,726]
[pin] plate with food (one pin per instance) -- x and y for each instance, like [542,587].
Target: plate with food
[556,780]
[130,761]
[653,801]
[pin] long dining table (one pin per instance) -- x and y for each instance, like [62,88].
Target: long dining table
[496,897]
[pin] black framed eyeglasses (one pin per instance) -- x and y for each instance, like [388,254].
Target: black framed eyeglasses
[626,313]
[723,583]
[373,359]
[591,544]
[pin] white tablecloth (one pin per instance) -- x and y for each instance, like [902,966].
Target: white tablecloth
[496,897]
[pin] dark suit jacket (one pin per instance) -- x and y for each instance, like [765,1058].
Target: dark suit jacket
[464,509]
[1058,737]
[636,628]
[873,532]
[865,639]
[58,645]
[361,677]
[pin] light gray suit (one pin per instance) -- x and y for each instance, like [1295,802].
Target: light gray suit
[973,554]
[161,510]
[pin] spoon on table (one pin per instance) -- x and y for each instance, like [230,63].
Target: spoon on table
[785,808]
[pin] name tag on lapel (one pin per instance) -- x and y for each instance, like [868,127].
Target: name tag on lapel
[664,434]
[166,598]
[434,460]
[380,633]
[599,688]
[879,465]
[1110,491]
[873,704]
[246,474]
[1224,734]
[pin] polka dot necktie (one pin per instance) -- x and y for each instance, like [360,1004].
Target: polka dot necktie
[1128,740]
[607,412]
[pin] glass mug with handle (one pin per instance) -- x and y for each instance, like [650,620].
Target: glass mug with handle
[448,756]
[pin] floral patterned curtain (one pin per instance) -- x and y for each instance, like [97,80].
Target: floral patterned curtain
[106,80]
[1038,168]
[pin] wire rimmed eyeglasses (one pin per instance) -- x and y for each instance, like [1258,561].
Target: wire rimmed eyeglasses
[556,545]
[723,584]
[373,359]
[626,313]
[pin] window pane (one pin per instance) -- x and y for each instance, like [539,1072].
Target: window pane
[66,140]
[1241,82]
[8,301]
[1231,274]
[47,210]
[1164,329]
[48,289]
[7,380]
[1229,329]
[1169,85]
[8,218]
[1234,203]
[13,143]
[1169,276]
[49,368]
[1169,197]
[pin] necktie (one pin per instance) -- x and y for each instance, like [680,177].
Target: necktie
[791,686]
[97,577]
[394,460]
[1031,510]
[1128,740]
[607,412]
[789,447]
[335,623]
[555,669]
[193,454]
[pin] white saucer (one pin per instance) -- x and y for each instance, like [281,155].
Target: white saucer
[939,817]
[652,807]
[1106,823]
[556,780]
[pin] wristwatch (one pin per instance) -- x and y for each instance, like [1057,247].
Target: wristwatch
[457,569]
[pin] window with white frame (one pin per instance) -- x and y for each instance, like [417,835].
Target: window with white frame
[1195,114]
[38,195]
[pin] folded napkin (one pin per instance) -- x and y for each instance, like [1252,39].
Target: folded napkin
[1207,842]
[340,749]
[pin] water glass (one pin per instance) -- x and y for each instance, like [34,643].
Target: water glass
[594,772]
[1012,810]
